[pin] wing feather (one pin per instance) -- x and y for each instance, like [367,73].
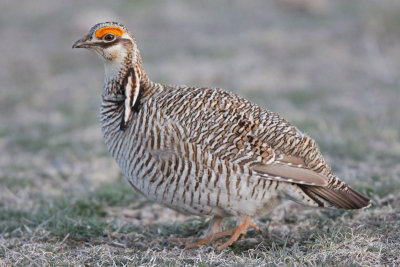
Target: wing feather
[292,174]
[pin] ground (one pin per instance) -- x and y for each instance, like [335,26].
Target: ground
[329,67]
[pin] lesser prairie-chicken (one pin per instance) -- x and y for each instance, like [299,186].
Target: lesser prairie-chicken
[205,151]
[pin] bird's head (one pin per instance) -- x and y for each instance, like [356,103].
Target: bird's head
[124,73]
[114,44]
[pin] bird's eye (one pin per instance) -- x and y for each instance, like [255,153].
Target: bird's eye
[109,37]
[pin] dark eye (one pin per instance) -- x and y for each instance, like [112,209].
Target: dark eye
[109,37]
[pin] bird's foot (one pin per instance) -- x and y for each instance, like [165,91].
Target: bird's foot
[240,230]
[202,241]
[234,232]
[210,238]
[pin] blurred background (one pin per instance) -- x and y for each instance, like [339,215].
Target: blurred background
[329,67]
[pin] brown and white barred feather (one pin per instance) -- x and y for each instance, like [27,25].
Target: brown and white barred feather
[207,151]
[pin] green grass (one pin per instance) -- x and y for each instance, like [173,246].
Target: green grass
[15,184]
[79,217]
[84,218]
[321,238]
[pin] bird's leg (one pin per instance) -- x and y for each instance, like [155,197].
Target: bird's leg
[214,227]
[241,229]
[211,237]
[213,234]
[234,232]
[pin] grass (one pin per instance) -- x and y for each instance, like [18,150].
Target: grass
[14,184]
[318,237]
[79,217]
[313,247]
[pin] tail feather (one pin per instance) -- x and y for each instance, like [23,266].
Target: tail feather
[342,199]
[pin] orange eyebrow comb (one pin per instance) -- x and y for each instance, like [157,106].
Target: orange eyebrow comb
[114,30]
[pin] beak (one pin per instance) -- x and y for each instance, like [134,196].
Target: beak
[82,43]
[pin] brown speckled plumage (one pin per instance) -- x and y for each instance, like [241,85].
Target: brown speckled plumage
[206,151]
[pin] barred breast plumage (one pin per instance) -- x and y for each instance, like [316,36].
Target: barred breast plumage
[205,151]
